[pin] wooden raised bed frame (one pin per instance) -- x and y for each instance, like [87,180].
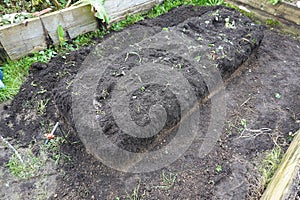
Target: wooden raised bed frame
[18,40]
[288,15]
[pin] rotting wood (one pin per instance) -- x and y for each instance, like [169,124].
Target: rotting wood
[21,39]
[280,185]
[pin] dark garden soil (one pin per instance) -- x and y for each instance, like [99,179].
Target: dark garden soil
[260,73]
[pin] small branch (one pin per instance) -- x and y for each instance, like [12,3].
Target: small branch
[11,147]
[254,133]
[69,3]
[56,4]
[245,102]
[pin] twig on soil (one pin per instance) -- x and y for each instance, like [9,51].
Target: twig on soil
[256,132]
[245,102]
[15,151]
[133,53]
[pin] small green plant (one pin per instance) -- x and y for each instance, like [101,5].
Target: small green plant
[274,2]
[272,22]
[219,169]
[61,35]
[214,2]
[41,106]
[197,58]
[239,127]
[143,89]
[242,127]
[244,123]
[291,136]
[53,148]
[277,95]
[168,181]
[136,195]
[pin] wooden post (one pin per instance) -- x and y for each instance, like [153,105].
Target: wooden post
[280,185]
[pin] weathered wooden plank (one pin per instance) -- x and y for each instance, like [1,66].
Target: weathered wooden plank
[284,25]
[21,39]
[80,20]
[18,40]
[282,10]
[280,185]
[116,16]
[114,7]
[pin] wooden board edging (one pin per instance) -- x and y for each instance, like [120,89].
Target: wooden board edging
[264,11]
[30,36]
[281,9]
[281,183]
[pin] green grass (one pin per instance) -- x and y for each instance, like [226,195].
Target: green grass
[272,23]
[33,165]
[15,72]
[136,193]
[168,181]
[53,149]
[274,2]
[27,169]
[270,164]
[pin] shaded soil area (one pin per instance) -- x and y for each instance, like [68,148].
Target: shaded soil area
[259,69]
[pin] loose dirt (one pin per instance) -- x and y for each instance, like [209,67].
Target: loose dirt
[257,68]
